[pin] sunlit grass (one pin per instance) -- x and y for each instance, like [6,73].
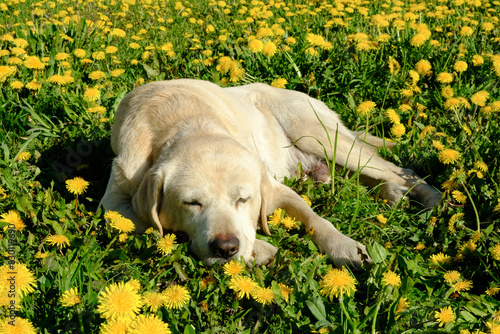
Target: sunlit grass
[423,74]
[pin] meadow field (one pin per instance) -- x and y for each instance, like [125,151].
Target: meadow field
[424,75]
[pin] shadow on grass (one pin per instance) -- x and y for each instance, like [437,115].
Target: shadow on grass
[89,159]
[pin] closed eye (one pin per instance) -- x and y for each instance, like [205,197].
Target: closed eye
[193,203]
[242,200]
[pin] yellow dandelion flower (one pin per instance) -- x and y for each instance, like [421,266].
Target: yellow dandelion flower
[440,258]
[366,107]
[243,286]
[315,40]
[123,237]
[96,75]
[491,291]
[391,278]
[111,49]
[98,55]
[452,276]
[255,45]
[20,325]
[12,217]
[477,60]
[466,31]
[364,46]
[118,32]
[263,296]
[119,300]
[80,53]
[70,298]
[148,324]
[438,145]
[382,219]
[311,51]
[398,130]
[494,327]
[337,282]
[449,156]
[462,285]
[453,219]
[77,185]
[6,71]
[444,78]
[134,46]
[96,110]
[33,62]
[459,196]
[418,40]
[91,94]
[393,116]
[285,291]
[383,38]
[40,255]
[487,26]
[420,246]
[276,218]
[115,326]
[58,240]
[290,223]
[134,284]
[237,72]
[269,49]
[452,103]
[20,276]
[460,66]
[23,156]
[481,165]
[447,92]
[176,296]
[166,244]
[306,199]
[153,300]
[480,98]
[57,79]
[279,83]
[495,252]
[123,224]
[16,84]
[402,305]
[444,316]
[111,215]
[233,268]
[117,72]
[423,67]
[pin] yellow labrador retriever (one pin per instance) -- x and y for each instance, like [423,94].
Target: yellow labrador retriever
[208,161]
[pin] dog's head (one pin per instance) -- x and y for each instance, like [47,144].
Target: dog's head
[211,188]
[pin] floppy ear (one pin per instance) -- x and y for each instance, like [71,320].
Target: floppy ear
[266,193]
[147,199]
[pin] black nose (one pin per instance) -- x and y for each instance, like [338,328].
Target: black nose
[225,247]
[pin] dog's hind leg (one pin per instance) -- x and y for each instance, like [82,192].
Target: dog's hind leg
[317,130]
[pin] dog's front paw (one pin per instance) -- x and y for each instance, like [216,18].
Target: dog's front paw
[344,251]
[350,253]
[263,252]
[393,192]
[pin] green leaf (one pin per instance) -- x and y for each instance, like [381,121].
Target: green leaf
[377,252]
[467,316]
[317,309]
[189,329]
[152,73]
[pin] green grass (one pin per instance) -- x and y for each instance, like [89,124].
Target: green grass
[209,40]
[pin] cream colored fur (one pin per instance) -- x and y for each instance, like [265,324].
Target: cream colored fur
[194,157]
